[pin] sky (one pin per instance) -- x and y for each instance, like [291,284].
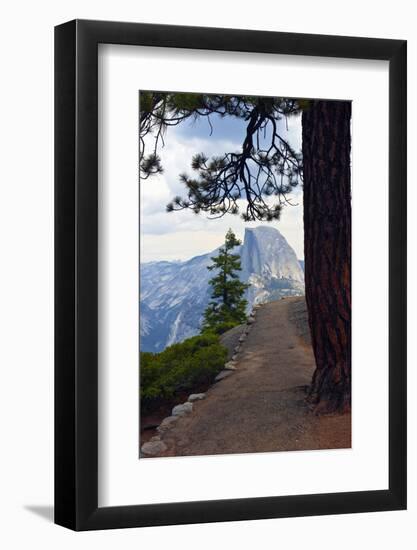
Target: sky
[181,235]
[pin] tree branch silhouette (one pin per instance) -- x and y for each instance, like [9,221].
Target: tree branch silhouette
[266,166]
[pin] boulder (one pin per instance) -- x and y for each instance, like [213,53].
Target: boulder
[234,357]
[230,366]
[181,410]
[242,338]
[223,374]
[196,397]
[153,448]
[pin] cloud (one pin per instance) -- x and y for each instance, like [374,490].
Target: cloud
[157,191]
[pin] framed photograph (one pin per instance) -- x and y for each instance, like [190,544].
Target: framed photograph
[230,248]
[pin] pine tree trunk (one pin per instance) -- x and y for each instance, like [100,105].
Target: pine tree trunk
[327,249]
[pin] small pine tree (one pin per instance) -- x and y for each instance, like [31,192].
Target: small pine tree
[227,307]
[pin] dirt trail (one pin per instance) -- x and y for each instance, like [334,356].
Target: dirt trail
[261,407]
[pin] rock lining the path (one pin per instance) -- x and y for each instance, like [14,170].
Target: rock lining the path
[230,339]
[223,374]
[153,448]
[196,397]
[182,410]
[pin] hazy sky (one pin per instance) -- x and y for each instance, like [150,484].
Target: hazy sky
[182,235]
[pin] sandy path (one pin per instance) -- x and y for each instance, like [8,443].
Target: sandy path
[261,407]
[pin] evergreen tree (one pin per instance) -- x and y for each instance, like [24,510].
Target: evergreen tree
[227,307]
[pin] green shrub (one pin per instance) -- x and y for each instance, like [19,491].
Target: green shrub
[180,367]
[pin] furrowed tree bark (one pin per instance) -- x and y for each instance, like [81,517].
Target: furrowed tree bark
[326,145]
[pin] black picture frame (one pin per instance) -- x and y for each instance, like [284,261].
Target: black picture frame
[76,272]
